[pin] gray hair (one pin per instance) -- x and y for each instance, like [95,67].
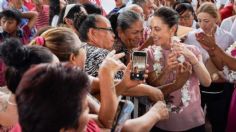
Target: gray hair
[140,2]
[131,7]
[127,18]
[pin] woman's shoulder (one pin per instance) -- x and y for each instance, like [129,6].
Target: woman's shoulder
[96,52]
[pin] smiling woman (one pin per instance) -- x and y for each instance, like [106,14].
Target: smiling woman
[208,17]
[130,33]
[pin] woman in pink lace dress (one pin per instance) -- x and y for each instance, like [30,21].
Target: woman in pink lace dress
[173,62]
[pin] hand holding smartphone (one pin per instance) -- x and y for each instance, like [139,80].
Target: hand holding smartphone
[139,62]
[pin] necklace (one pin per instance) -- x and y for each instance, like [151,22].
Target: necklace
[230,75]
[185,96]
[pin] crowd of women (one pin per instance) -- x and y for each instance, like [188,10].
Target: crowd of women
[66,66]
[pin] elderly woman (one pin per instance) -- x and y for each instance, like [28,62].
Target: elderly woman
[130,33]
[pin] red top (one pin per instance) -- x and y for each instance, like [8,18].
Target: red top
[30,5]
[43,20]
[91,127]
[226,11]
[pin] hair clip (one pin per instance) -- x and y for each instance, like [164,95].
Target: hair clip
[40,40]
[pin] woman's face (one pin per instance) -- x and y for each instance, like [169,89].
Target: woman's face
[119,3]
[160,31]
[206,22]
[132,36]
[186,19]
[103,35]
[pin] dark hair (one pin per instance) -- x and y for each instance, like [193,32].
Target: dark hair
[54,6]
[113,20]
[168,15]
[179,2]
[183,7]
[11,14]
[84,23]
[92,8]
[50,97]
[71,14]
[19,58]
[126,19]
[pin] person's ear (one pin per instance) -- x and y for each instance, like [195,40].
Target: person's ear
[68,21]
[121,34]
[73,59]
[173,30]
[92,35]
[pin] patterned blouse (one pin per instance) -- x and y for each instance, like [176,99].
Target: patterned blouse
[95,57]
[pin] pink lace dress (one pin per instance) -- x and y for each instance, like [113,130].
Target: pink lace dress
[181,117]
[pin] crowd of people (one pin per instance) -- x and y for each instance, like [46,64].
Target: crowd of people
[66,65]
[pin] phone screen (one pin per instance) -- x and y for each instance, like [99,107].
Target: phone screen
[139,59]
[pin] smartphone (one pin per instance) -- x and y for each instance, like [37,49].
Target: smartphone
[123,113]
[139,62]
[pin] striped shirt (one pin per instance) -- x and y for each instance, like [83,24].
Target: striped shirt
[43,17]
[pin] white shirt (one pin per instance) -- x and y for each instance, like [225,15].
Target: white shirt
[233,30]
[55,21]
[227,24]
[194,25]
[223,39]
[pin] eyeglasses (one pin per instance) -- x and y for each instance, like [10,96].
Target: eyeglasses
[75,51]
[82,46]
[106,29]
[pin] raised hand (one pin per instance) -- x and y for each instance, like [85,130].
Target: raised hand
[127,80]
[206,41]
[161,110]
[181,49]
[112,63]
[171,63]
[184,71]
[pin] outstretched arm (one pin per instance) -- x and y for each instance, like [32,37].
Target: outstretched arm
[148,120]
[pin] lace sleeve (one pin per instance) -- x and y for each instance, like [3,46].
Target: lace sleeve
[228,74]
[4,96]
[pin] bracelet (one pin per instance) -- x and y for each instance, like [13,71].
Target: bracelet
[196,64]
[211,55]
[211,51]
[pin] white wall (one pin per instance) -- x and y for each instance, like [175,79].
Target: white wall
[108,5]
